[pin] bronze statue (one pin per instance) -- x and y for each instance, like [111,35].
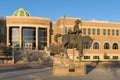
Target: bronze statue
[74,39]
[76,29]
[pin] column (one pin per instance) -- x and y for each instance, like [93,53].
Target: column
[36,38]
[20,35]
[7,36]
[48,35]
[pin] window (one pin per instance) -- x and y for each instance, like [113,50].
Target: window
[96,45]
[108,31]
[28,36]
[93,31]
[95,57]
[86,57]
[89,31]
[65,30]
[115,57]
[98,31]
[84,30]
[106,57]
[42,38]
[2,31]
[104,31]
[117,32]
[113,32]
[115,46]
[70,28]
[14,36]
[106,46]
[86,46]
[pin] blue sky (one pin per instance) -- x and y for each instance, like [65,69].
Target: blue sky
[85,9]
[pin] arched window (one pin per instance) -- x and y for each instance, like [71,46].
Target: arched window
[106,46]
[96,45]
[115,46]
[86,46]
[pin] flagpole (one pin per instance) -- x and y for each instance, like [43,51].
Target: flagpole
[64,22]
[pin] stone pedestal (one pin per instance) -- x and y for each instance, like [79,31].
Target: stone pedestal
[68,67]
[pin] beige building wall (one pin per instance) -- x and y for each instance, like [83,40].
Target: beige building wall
[33,22]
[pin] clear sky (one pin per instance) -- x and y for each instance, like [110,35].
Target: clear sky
[85,9]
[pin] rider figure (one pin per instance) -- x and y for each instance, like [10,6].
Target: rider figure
[76,29]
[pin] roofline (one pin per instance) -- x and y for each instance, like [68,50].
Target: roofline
[68,18]
[101,21]
[28,17]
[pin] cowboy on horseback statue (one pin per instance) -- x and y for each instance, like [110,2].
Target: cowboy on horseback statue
[74,39]
[76,29]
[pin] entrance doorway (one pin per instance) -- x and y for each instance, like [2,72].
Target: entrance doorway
[28,45]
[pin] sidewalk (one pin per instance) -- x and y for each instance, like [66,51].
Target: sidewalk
[12,65]
[24,65]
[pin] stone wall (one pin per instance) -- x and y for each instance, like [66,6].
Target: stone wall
[67,67]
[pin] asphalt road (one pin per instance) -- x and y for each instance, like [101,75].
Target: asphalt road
[42,72]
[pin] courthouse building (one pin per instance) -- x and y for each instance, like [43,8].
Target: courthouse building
[25,31]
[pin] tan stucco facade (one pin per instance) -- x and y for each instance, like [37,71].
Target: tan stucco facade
[30,22]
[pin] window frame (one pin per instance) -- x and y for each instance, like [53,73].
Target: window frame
[96,46]
[86,57]
[93,31]
[98,31]
[104,31]
[89,31]
[96,57]
[106,46]
[115,46]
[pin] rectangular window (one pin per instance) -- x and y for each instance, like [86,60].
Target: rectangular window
[95,57]
[84,30]
[104,31]
[65,30]
[93,31]
[70,28]
[113,32]
[108,31]
[14,36]
[98,31]
[106,57]
[117,32]
[2,30]
[86,57]
[115,57]
[89,31]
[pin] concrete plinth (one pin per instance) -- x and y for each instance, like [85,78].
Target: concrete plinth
[68,67]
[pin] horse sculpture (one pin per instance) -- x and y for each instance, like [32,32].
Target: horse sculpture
[74,41]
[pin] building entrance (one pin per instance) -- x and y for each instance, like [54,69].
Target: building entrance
[28,45]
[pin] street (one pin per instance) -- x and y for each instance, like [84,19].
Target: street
[42,72]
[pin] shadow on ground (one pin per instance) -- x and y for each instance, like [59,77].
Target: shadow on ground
[90,67]
[30,66]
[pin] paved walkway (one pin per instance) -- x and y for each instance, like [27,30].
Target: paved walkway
[41,72]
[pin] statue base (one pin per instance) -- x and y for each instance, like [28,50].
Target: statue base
[68,67]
